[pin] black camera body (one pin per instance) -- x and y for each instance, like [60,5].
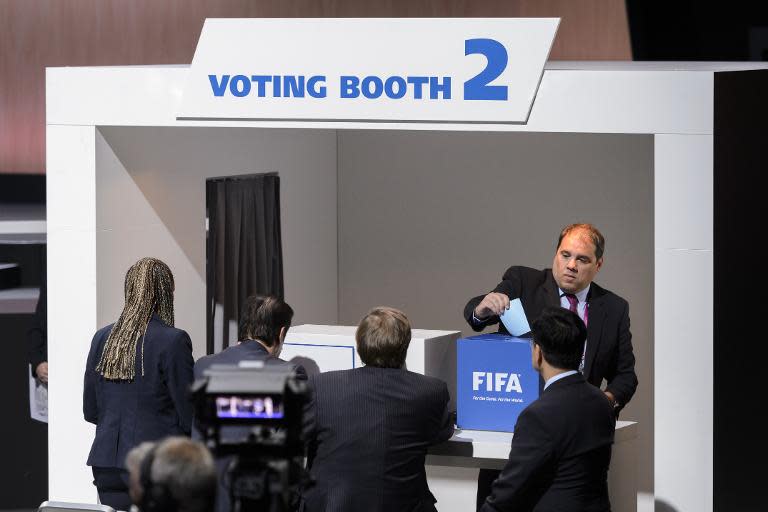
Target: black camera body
[251,415]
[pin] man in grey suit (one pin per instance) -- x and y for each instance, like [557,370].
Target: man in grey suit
[368,429]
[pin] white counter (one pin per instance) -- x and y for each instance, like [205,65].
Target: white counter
[452,467]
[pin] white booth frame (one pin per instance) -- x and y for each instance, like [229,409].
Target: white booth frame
[671,102]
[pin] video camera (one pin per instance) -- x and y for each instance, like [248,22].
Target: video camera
[251,415]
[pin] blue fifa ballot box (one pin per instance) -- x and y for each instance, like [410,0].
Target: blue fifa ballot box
[495,381]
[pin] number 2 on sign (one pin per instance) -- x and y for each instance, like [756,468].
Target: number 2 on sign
[477,88]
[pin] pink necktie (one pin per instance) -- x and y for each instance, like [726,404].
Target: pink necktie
[573,302]
[572,306]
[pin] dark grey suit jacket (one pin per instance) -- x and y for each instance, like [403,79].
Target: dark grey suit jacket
[150,407]
[609,343]
[368,430]
[560,453]
[247,350]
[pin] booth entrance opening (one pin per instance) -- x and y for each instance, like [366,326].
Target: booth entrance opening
[243,249]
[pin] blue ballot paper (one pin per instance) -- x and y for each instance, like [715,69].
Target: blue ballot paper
[514,319]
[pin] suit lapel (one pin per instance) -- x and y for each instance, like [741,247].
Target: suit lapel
[546,295]
[595,321]
[551,294]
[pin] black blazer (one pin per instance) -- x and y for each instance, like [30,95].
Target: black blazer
[147,408]
[609,343]
[368,430]
[37,335]
[247,350]
[560,453]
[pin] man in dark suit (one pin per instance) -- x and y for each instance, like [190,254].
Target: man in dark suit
[263,324]
[562,445]
[368,429]
[262,327]
[579,256]
[607,354]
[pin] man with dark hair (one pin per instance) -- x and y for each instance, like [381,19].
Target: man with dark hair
[607,353]
[262,327]
[368,429]
[562,445]
[173,475]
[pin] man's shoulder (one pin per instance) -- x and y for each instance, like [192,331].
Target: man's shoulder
[332,376]
[424,381]
[228,355]
[527,276]
[597,292]
[570,400]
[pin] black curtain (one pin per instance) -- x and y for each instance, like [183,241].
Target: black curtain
[244,248]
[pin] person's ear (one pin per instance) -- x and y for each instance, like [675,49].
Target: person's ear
[536,356]
[280,340]
[599,264]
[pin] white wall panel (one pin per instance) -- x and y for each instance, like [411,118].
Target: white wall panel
[683,191]
[72,299]
[683,365]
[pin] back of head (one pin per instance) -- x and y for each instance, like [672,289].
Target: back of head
[148,289]
[176,474]
[561,335]
[262,317]
[383,337]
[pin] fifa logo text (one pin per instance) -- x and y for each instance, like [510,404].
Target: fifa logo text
[499,381]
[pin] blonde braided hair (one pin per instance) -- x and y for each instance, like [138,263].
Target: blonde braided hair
[148,289]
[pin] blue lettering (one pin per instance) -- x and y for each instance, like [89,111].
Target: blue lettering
[293,86]
[245,86]
[389,88]
[261,84]
[477,87]
[350,87]
[418,82]
[378,86]
[218,88]
[276,86]
[435,87]
[314,90]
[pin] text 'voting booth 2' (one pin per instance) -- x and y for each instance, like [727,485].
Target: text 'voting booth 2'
[496,381]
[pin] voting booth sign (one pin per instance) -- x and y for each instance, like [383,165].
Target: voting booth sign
[495,381]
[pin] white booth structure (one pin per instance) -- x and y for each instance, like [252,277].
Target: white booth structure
[419,215]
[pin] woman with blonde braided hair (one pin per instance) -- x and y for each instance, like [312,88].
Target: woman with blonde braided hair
[137,377]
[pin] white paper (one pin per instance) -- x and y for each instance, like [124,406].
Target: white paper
[514,319]
[38,399]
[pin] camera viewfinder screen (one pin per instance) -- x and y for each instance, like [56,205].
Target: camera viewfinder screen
[249,407]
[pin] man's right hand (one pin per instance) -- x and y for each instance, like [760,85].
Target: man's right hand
[492,304]
[42,372]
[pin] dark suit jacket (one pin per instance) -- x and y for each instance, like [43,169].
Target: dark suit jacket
[37,336]
[148,408]
[368,430]
[248,350]
[609,343]
[560,453]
